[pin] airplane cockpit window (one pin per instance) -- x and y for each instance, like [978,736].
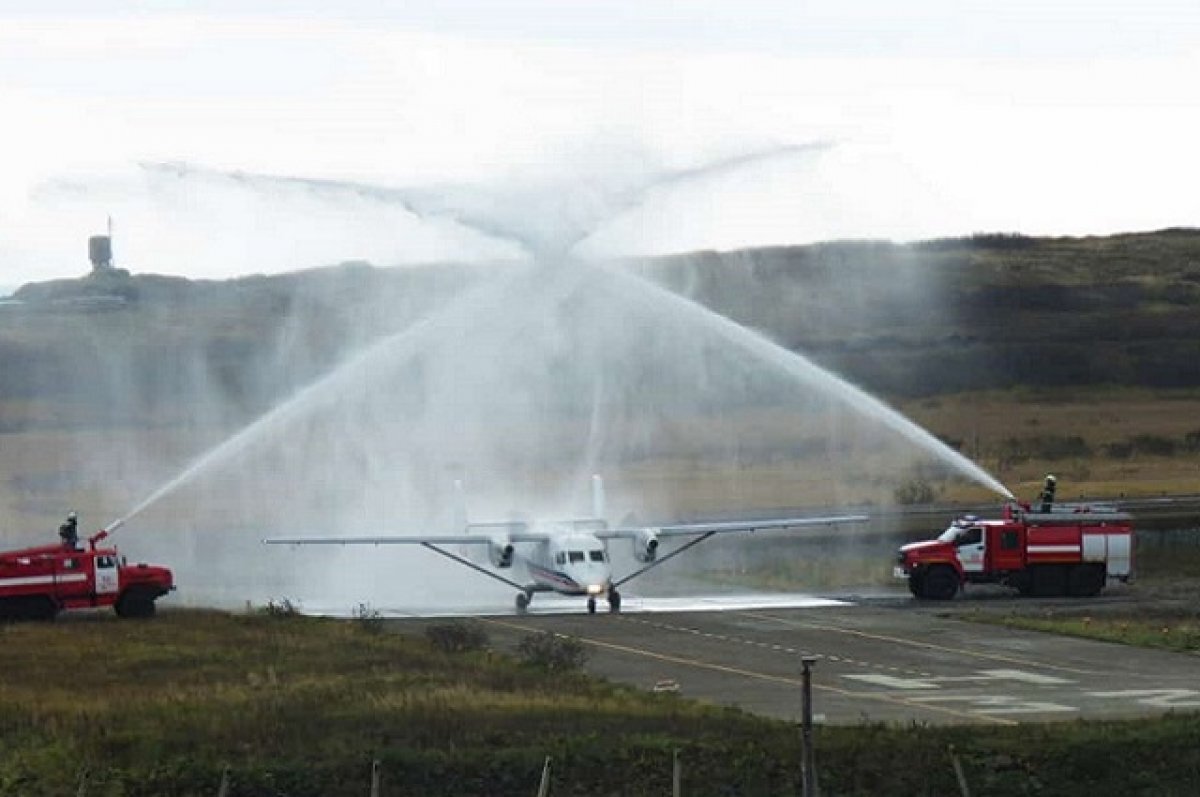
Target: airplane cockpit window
[576,556]
[596,556]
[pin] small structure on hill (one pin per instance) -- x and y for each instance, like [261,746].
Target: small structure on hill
[100,251]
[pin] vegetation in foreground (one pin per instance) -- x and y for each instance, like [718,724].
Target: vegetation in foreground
[1168,629]
[299,706]
[1167,617]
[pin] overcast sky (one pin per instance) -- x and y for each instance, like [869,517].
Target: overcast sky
[931,118]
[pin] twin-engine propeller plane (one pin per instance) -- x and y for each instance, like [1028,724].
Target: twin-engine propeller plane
[568,556]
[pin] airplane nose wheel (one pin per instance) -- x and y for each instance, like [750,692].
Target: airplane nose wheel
[522,602]
[591,605]
[614,601]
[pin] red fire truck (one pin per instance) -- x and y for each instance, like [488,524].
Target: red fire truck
[1072,549]
[38,583]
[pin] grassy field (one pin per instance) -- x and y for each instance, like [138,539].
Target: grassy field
[297,706]
[1168,629]
[1100,441]
[1165,616]
[1104,443]
[1077,356]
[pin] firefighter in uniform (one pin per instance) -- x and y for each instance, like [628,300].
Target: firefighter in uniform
[1046,496]
[69,531]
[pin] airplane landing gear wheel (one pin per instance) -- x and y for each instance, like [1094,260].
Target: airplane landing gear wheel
[522,602]
[591,605]
[614,601]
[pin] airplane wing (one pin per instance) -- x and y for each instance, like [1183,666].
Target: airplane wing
[429,539]
[691,529]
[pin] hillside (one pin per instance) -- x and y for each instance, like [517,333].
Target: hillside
[904,321]
[991,311]
[1077,355]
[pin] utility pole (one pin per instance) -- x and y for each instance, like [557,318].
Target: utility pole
[808,771]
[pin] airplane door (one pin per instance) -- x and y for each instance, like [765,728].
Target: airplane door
[970,550]
[107,578]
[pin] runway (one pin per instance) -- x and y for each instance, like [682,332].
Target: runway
[889,663]
[633,604]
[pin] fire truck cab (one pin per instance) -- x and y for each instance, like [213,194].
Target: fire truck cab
[1074,549]
[39,582]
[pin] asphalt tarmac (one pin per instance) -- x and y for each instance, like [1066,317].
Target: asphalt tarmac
[875,661]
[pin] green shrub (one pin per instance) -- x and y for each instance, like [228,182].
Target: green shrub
[1154,445]
[553,652]
[914,491]
[367,618]
[283,607]
[457,636]
[1049,447]
[1118,450]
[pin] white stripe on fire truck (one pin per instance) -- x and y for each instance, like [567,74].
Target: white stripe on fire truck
[26,580]
[1054,549]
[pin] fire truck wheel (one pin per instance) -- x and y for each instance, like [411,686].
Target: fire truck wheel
[34,607]
[1084,581]
[1048,580]
[135,604]
[44,609]
[941,584]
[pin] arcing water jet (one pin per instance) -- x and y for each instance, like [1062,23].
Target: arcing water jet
[804,372]
[512,307]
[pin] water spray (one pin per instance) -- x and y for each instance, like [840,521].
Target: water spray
[546,278]
[804,370]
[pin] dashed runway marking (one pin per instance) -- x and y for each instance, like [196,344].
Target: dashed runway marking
[916,643]
[662,626]
[793,682]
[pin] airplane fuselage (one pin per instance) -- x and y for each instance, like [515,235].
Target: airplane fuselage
[571,564]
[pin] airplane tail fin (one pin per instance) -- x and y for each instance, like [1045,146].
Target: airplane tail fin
[597,497]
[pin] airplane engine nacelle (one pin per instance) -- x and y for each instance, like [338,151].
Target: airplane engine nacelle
[501,550]
[645,545]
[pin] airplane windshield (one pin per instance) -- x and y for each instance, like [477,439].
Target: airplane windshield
[575,556]
[597,556]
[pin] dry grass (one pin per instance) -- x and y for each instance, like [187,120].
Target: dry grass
[1100,416]
[780,460]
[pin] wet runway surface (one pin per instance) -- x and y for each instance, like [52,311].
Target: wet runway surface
[876,661]
[632,604]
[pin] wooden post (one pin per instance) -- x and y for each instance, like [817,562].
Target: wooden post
[376,778]
[676,776]
[808,766]
[958,773]
[82,791]
[544,786]
[223,790]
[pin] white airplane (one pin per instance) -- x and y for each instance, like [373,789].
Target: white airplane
[570,556]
